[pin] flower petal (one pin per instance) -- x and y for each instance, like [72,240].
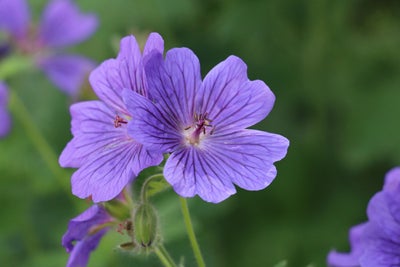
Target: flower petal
[174,83]
[209,170]
[108,159]
[68,72]
[79,230]
[126,71]
[246,157]
[63,24]
[14,17]
[191,172]
[79,256]
[154,43]
[351,259]
[150,126]
[5,120]
[104,176]
[381,250]
[230,100]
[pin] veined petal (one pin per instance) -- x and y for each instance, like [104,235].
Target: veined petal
[174,83]
[150,126]
[105,175]
[246,157]
[63,24]
[107,83]
[68,72]
[191,172]
[230,99]
[126,71]
[107,157]
[14,17]
[92,126]
[154,43]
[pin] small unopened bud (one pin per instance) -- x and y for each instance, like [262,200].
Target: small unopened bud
[145,224]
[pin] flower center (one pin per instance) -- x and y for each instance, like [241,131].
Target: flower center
[200,128]
[118,121]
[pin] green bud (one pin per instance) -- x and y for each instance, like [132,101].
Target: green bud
[117,209]
[145,224]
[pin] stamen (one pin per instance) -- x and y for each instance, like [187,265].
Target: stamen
[118,121]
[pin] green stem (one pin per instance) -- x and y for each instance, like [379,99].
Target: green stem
[190,232]
[46,152]
[164,257]
[144,190]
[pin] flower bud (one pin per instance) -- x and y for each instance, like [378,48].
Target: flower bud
[145,224]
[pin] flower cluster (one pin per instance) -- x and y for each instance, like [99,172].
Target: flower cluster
[376,243]
[62,24]
[150,106]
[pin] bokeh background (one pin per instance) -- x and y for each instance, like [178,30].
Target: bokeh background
[334,67]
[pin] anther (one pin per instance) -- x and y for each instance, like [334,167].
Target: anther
[118,121]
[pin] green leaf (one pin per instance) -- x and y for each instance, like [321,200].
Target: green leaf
[281,264]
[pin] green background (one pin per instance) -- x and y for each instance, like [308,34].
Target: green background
[334,67]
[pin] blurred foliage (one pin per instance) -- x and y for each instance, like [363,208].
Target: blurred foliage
[334,67]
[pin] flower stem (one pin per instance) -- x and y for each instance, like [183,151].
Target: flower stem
[191,234]
[164,256]
[49,157]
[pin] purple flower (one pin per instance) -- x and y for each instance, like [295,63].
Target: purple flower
[376,243]
[85,231]
[202,124]
[5,120]
[62,24]
[106,155]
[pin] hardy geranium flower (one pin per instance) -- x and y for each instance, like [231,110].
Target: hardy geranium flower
[106,155]
[62,25]
[376,243]
[202,124]
[5,121]
[84,234]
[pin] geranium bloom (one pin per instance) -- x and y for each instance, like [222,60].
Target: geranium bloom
[5,121]
[202,124]
[84,234]
[107,157]
[62,25]
[376,243]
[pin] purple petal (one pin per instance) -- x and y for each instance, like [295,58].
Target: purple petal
[191,172]
[337,259]
[244,158]
[107,157]
[126,71]
[154,43]
[14,17]
[174,83]
[381,250]
[151,126]
[107,83]
[5,120]
[392,180]
[79,256]
[230,99]
[379,212]
[63,24]
[68,72]
[79,232]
